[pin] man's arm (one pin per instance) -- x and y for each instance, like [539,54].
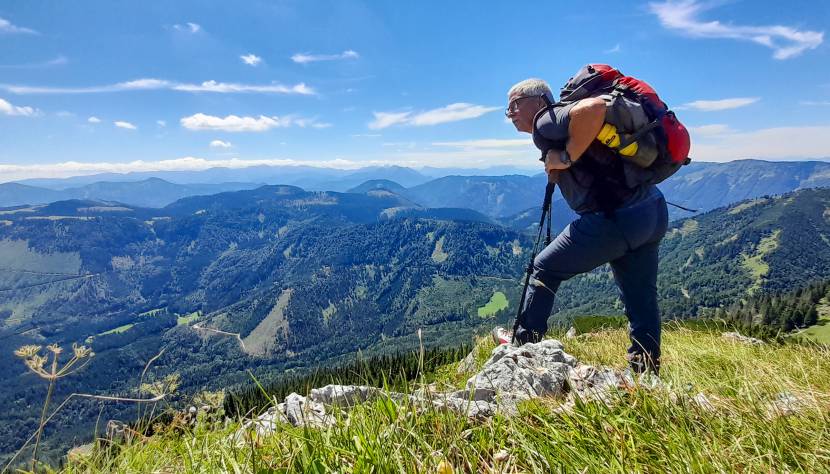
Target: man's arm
[585,121]
[587,117]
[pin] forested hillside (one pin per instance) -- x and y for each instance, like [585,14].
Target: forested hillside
[262,280]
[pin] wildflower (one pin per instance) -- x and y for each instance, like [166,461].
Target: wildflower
[27,351]
[81,351]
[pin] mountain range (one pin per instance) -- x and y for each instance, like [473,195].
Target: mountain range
[507,198]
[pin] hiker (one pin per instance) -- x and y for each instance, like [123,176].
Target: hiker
[618,223]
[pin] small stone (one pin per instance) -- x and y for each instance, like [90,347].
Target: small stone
[476,394]
[467,364]
[785,404]
[345,395]
[80,453]
[702,402]
[571,333]
[479,410]
[737,337]
[501,456]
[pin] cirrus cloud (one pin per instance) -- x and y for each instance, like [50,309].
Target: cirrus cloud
[235,123]
[716,105]
[487,143]
[684,16]
[7,27]
[162,84]
[304,58]
[450,113]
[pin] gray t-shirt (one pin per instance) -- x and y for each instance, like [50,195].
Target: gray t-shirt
[576,182]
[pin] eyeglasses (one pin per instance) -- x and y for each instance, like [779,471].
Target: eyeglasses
[513,105]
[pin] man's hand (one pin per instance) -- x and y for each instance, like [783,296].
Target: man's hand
[553,161]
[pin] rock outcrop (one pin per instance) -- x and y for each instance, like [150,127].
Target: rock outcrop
[511,374]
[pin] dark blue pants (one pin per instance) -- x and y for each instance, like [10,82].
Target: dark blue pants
[629,241]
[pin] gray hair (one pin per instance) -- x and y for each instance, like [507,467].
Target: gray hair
[532,86]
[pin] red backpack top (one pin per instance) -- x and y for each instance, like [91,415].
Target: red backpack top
[672,137]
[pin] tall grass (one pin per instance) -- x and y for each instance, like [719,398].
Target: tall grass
[660,430]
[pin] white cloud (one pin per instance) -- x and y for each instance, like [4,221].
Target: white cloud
[778,143]
[161,84]
[487,143]
[615,49]
[7,108]
[815,102]
[57,61]
[93,119]
[684,16]
[716,105]
[224,87]
[304,58]
[161,123]
[709,130]
[123,124]
[234,123]
[220,144]
[251,59]
[450,113]
[387,119]
[7,27]
[188,27]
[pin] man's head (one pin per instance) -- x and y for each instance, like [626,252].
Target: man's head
[524,100]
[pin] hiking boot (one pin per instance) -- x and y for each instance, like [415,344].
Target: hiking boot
[501,335]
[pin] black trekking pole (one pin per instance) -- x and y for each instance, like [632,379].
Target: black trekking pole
[546,212]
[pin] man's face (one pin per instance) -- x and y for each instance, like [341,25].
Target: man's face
[521,109]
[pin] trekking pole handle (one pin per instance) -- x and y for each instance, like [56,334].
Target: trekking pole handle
[549,188]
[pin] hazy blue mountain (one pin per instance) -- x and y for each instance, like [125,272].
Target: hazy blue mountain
[349,179]
[492,195]
[701,185]
[707,186]
[374,184]
[150,192]
[15,194]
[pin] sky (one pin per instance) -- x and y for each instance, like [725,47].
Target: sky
[114,86]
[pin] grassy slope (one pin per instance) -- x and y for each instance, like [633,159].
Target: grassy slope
[820,332]
[645,432]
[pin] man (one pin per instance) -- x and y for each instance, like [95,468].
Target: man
[617,225]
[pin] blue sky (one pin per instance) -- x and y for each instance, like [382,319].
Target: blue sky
[94,86]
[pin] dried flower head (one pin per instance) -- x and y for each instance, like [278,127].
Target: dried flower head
[54,349]
[36,362]
[27,351]
[82,351]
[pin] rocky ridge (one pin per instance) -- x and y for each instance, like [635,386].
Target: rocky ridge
[511,375]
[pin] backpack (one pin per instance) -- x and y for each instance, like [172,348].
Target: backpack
[635,109]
